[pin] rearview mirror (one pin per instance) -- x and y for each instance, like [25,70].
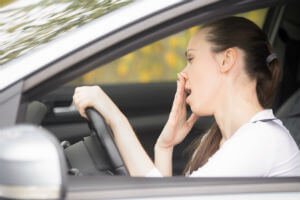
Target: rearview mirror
[32,164]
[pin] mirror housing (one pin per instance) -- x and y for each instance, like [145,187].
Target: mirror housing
[32,164]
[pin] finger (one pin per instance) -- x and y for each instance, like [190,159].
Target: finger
[80,102]
[184,75]
[76,101]
[81,105]
[180,87]
[77,89]
[181,92]
[179,104]
[175,101]
[75,96]
[83,113]
[189,124]
[182,82]
[191,120]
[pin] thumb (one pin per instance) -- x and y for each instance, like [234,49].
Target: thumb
[189,124]
[191,120]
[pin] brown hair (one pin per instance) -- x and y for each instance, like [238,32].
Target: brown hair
[246,35]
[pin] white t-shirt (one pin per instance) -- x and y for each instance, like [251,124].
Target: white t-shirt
[257,148]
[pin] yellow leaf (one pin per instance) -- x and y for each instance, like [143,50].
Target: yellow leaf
[170,59]
[144,76]
[122,70]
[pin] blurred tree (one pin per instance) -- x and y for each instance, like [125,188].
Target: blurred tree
[159,61]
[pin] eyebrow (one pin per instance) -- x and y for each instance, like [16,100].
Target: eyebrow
[186,52]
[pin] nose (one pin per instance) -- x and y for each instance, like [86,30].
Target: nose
[184,73]
[185,69]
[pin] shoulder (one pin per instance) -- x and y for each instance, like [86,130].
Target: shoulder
[264,125]
[274,130]
[271,135]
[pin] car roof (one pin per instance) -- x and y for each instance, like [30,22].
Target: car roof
[44,55]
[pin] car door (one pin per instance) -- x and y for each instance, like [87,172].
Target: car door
[142,83]
[99,187]
[175,187]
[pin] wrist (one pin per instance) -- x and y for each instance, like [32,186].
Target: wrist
[112,114]
[160,147]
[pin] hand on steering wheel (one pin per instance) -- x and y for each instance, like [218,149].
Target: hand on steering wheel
[86,100]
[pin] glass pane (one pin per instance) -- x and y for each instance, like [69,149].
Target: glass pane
[157,62]
[26,24]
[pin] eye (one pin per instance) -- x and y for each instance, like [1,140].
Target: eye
[190,59]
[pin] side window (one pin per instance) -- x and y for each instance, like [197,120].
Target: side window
[156,62]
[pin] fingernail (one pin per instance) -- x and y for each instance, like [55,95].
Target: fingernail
[182,76]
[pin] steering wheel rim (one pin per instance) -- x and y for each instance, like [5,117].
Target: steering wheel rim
[103,132]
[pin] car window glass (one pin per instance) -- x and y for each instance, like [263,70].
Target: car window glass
[26,24]
[157,62]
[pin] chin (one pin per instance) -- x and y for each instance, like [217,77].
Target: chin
[201,110]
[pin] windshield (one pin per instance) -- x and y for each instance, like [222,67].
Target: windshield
[27,24]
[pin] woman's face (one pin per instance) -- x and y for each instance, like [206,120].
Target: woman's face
[203,77]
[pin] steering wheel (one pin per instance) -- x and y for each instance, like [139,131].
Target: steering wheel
[103,132]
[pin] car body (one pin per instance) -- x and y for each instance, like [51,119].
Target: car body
[41,73]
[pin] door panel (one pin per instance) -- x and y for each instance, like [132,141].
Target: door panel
[117,187]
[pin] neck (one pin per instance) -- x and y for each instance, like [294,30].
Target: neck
[236,108]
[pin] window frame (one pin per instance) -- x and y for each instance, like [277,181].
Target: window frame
[130,187]
[138,40]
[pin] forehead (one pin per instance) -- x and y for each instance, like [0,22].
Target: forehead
[198,41]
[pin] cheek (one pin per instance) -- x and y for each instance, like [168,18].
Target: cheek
[205,84]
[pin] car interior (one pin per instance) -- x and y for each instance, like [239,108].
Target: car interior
[147,106]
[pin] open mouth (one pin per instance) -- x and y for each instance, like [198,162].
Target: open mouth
[188,91]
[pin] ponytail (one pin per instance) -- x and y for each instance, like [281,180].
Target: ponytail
[267,84]
[204,146]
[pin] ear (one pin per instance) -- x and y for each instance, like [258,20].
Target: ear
[227,59]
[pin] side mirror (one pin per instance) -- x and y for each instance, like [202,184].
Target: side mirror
[32,164]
